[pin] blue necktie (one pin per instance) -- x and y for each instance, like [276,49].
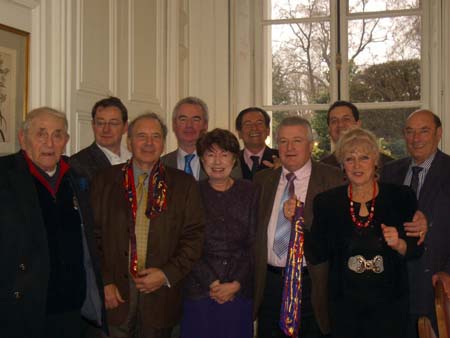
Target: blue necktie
[187,163]
[283,229]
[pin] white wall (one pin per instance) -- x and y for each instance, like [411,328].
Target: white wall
[151,53]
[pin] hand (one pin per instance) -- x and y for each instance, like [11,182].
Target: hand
[149,280]
[224,292]
[390,235]
[289,207]
[445,278]
[276,162]
[417,227]
[112,297]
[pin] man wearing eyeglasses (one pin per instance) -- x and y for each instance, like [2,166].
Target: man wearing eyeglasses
[189,122]
[109,124]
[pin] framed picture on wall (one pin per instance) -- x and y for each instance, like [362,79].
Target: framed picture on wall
[14,59]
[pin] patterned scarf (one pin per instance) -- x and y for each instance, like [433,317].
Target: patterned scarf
[156,201]
[292,290]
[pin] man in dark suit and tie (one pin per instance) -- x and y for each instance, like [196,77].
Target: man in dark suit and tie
[149,227]
[50,269]
[189,122]
[109,124]
[295,143]
[427,171]
[253,126]
[341,116]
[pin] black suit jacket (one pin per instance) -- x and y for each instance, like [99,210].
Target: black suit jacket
[89,161]
[24,256]
[434,202]
[267,156]
[323,177]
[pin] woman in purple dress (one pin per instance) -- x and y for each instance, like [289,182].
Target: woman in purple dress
[218,292]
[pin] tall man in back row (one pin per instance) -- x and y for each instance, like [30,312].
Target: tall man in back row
[341,116]
[295,144]
[427,171]
[253,126]
[149,226]
[50,271]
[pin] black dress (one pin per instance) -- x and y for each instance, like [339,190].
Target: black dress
[364,304]
[228,255]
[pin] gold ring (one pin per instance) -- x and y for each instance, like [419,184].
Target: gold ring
[421,233]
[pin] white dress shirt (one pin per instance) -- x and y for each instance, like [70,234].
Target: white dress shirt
[301,187]
[113,158]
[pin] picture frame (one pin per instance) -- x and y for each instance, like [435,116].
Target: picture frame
[14,74]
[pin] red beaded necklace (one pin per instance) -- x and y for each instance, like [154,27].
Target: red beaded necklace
[357,222]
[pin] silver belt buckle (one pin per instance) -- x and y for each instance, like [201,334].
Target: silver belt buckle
[359,264]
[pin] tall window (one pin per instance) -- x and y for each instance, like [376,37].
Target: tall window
[366,51]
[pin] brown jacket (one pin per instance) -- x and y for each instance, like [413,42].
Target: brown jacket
[323,177]
[175,242]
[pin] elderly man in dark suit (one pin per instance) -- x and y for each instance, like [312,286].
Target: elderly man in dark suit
[427,171]
[253,126]
[50,272]
[295,143]
[149,226]
[109,124]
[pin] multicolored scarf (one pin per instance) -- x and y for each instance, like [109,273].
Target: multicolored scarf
[156,201]
[292,290]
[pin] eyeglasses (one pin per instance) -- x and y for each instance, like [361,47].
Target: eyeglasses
[111,124]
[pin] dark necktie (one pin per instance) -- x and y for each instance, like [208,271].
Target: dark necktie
[415,179]
[255,165]
[187,163]
[283,229]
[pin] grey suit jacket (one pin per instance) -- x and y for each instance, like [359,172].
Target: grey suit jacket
[434,202]
[89,161]
[170,160]
[323,177]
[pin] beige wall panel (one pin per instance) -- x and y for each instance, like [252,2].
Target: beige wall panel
[146,44]
[95,53]
[84,135]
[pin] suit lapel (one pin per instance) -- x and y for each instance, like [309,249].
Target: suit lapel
[431,184]
[270,190]
[99,156]
[314,187]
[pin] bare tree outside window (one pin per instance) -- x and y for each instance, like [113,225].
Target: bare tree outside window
[383,58]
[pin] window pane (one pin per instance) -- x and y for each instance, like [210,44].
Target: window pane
[361,6]
[384,59]
[388,126]
[296,9]
[300,64]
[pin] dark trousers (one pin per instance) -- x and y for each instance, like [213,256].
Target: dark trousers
[63,325]
[358,319]
[133,327]
[269,314]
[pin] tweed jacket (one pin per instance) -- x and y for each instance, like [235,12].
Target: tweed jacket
[24,253]
[323,177]
[175,242]
[267,156]
[434,202]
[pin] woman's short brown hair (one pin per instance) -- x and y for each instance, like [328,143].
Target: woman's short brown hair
[354,138]
[222,138]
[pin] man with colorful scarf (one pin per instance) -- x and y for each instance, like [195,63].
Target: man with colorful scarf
[50,275]
[149,226]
